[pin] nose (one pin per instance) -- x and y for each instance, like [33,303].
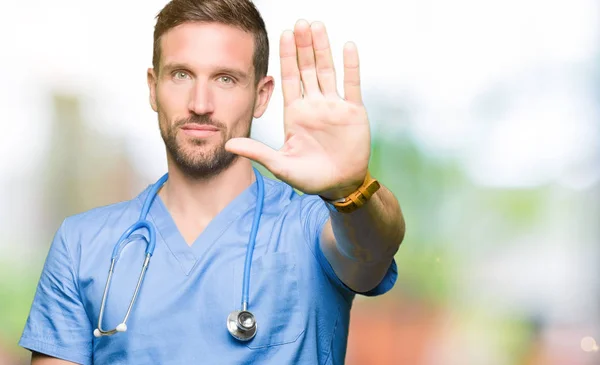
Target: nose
[201,99]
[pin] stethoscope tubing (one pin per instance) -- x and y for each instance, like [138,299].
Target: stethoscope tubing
[151,244]
[252,241]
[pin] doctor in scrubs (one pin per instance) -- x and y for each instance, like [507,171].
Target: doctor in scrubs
[321,234]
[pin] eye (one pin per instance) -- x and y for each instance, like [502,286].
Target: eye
[226,79]
[180,75]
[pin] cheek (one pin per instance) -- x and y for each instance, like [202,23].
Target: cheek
[171,101]
[235,108]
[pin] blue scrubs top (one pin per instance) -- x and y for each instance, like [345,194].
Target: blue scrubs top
[301,307]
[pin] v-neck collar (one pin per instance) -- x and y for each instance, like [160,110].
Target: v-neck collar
[187,255]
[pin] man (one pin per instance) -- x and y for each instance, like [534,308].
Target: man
[312,252]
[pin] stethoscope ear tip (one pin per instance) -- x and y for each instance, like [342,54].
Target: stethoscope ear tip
[122,327]
[97,333]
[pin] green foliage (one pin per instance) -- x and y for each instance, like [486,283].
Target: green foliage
[448,218]
[17,287]
[423,186]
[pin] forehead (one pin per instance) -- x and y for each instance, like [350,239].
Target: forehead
[203,44]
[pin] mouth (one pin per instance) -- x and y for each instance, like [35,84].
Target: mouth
[199,130]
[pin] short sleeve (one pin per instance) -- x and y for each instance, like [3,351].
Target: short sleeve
[57,325]
[314,214]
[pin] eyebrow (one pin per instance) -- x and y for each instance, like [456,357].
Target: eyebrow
[239,74]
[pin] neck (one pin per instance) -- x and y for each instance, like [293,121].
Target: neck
[198,201]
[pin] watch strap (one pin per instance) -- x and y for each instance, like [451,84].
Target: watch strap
[357,198]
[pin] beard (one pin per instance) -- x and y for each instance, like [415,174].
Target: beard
[194,157]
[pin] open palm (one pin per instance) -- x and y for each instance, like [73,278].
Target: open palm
[327,137]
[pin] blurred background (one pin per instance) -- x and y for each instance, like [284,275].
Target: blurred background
[485,119]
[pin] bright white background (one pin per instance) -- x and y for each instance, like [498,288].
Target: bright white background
[533,58]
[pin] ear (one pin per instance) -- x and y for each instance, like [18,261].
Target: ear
[152,80]
[264,91]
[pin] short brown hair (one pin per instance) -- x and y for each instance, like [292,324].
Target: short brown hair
[238,13]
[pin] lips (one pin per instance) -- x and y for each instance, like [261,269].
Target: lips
[199,130]
[199,127]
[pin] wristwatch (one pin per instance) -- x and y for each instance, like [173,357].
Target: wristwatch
[356,199]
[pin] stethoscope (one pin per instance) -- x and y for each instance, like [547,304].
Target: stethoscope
[241,324]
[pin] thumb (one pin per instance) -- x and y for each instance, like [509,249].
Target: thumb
[257,151]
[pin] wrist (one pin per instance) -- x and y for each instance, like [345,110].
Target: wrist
[352,198]
[340,192]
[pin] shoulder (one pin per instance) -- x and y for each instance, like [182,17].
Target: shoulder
[96,216]
[309,211]
[283,196]
[92,221]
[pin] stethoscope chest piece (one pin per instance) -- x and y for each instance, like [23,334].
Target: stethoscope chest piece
[242,325]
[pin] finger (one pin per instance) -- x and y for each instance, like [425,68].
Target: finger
[290,75]
[306,58]
[323,58]
[351,74]
[256,151]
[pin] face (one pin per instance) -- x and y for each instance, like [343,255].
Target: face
[205,93]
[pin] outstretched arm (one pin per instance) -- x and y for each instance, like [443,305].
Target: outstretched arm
[326,152]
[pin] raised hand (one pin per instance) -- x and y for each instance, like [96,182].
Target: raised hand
[327,137]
